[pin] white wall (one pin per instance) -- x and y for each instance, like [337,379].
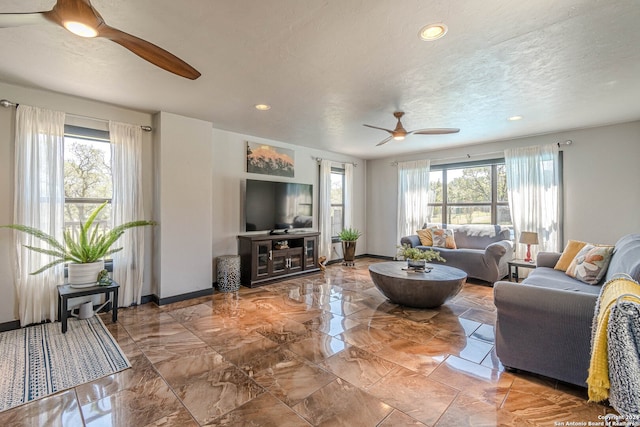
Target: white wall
[70,105]
[229,174]
[182,205]
[197,180]
[601,180]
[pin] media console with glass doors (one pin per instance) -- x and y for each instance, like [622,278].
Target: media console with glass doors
[267,257]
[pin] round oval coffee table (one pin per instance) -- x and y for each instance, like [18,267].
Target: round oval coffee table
[419,289]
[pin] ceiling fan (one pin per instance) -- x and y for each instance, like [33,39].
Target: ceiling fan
[80,18]
[399,133]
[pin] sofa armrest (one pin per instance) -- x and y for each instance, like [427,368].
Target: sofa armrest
[544,330]
[497,250]
[547,259]
[412,240]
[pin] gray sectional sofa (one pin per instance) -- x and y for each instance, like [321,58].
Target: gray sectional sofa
[544,323]
[483,250]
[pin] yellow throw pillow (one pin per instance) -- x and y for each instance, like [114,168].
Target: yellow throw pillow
[425,236]
[569,253]
[443,238]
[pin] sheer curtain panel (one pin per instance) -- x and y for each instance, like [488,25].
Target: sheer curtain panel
[413,196]
[127,205]
[533,184]
[38,203]
[325,209]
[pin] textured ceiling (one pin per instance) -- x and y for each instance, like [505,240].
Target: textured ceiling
[327,67]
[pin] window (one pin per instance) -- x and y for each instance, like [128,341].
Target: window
[87,176]
[469,193]
[337,202]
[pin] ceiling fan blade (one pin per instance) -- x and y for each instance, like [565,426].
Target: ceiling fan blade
[149,51]
[384,141]
[435,131]
[376,127]
[19,19]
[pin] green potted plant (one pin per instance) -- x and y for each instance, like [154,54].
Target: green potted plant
[418,258]
[84,251]
[349,236]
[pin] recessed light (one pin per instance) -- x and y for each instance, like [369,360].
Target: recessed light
[514,118]
[433,31]
[263,107]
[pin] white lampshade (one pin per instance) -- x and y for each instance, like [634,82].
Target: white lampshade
[529,238]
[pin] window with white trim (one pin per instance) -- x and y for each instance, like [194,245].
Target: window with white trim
[87,176]
[337,202]
[469,193]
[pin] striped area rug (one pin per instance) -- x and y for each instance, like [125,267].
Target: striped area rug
[40,360]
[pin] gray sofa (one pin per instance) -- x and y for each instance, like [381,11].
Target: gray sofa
[483,250]
[544,323]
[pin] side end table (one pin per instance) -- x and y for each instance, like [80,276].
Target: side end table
[66,291]
[518,263]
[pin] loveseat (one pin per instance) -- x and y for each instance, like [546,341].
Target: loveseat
[544,323]
[483,251]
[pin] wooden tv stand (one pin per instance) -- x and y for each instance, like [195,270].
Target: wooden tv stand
[263,259]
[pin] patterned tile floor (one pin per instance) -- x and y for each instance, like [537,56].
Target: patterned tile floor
[324,349]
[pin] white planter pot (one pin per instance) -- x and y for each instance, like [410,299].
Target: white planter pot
[84,274]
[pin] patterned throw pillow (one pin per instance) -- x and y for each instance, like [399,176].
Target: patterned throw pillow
[590,264]
[425,236]
[443,238]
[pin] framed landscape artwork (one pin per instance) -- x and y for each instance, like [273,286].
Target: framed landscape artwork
[268,160]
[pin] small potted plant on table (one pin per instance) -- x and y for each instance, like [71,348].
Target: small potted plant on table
[417,259]
[84,251]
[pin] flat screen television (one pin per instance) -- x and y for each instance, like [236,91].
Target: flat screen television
[271,205]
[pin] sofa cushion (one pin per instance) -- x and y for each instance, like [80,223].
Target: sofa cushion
[546,277]
[568,254]
[590,264]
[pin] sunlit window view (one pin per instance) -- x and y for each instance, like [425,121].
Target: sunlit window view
[87,180]
[469,195]
[337,201]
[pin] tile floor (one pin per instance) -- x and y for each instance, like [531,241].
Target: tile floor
[323,349]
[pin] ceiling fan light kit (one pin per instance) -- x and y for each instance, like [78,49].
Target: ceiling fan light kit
[80,18]
[399,133]
[80,29]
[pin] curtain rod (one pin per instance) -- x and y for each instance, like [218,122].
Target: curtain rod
[468,156]
[8,104]
[319,159]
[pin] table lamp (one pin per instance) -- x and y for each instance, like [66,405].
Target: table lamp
[528,238]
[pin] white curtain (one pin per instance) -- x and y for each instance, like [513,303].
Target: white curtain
[127,205]
[39,203]
[413,196]
[533,183]
[348,195]
[325,209]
